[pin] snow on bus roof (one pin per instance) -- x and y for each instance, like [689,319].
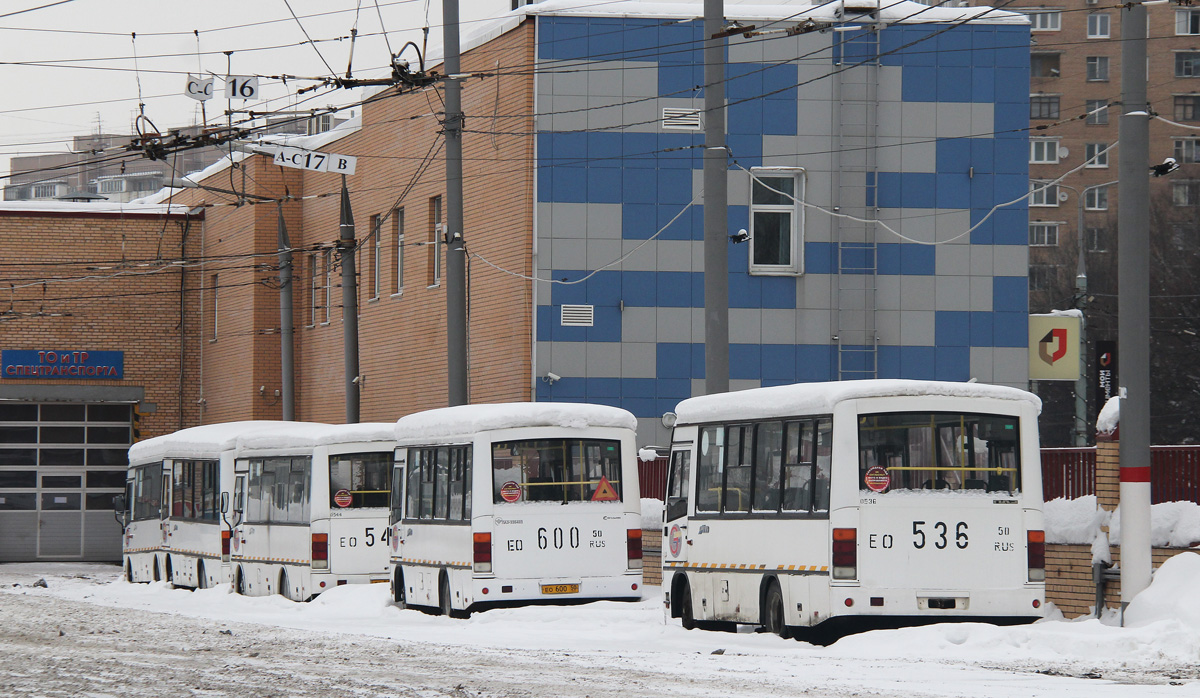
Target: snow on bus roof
[814,398]
[305,435]
[204,441]
[469,419]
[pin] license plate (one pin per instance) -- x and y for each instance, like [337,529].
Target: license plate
[560,588]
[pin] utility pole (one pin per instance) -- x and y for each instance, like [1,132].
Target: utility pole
[456,265]
[716,201]
[1133,306]
[349,307]
[287,365]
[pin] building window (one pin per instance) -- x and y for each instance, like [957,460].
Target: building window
[214,282]
[1185,193]
[1043,277]
[1098,26]
[327,284]
[1186,150]
[1181,233]
[112,186]
[1187,107]
[1187,22]
[398,237]
[1044,20]
[45,191]
[314,288]
[1042,193]
[1187,64]
[1097,240]
[1043,234]
[436,232]
[1096,154]
[1043,106]
[1044,65]
[374,245]
[776,221]
[1097,68]
[1043,151]
[1097,111]
[1095,199]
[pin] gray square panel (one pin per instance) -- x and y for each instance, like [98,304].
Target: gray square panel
[813,326]
[644,259]
[887,326]
[919,157]
[1010,260]
[676,255]
[813,117]
[778,326]
[983,118]
[675,325]
[569,254]
[919,119]
[745,326]
[603,359]
[952,224]
[638,360]
[887,292]
[890,81]
[743,50]
[604,221]
[953,119]
[638,325]
[981,260]
[697,325]
[604,79]
[916,292]
[982,364]
[917,328]
[568,220]
[568,358]
[640,79]
[1011,366]
[543,357]
[981,293]
[953,293]
[605,113]
[736,384]
[814,291]
[601,253]
[953,260]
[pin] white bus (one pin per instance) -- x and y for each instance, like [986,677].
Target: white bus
[176,497]
[515,503]
[311,503]
[857,504]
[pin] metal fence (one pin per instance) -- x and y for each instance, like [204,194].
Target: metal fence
[653,477]
[1068,472]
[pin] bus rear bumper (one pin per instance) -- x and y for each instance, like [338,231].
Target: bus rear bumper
[499,590]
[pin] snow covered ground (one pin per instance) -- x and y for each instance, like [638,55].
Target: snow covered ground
[87,633]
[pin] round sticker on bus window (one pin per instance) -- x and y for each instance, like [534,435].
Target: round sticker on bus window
[510,491]
[877,478]
[342,498]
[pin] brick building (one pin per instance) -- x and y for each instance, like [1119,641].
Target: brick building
[98,330]
[582,144]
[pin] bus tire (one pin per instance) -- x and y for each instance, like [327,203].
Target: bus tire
[399,597]
[170,572]
[128,571]
[157,575]
[685,608]
[444,600]
[201,580]
[239,582]
[283,584]
[772,613]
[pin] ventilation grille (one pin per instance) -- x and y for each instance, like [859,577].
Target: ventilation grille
[674,117]
[577,315]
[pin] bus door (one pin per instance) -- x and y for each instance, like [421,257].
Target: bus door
[239,514]
[675,527]
[165,510]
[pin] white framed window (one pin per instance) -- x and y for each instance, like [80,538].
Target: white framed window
[112,186]
[376,247]
[1044,65]
[1043,106]
[1187,107]
[1096,154]
[1187,150]
[1043,277]
[1097,240]
[1187,22]
[215,282]
[776,220]
[46,191]
[1044,20]
[398,237]
[1097,68]
[327,288]
[1043,151]
[1097,112]
[1187,64]
[1096,199]
[1099,26]
[436,232]
[314,288]
[1043,234]
[1041,193]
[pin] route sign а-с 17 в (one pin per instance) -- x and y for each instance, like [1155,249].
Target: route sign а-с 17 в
[301,159]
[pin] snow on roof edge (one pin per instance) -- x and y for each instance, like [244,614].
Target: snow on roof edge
[466,420]
[137,206]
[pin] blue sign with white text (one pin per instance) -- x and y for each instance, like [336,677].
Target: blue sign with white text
[69,364]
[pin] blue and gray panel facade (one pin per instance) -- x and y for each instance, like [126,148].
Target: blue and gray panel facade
[914,129]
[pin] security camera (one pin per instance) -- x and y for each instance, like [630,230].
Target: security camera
[551,377]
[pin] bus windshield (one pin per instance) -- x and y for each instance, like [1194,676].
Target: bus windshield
[359,480]
[556,470]
[938,450]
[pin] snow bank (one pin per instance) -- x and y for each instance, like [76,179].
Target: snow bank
[1074,521]
[652,513]
[466,420]
[1110,416]
[807,398]
[1170,598]
[1172,525]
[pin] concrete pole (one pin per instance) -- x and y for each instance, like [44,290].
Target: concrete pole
[287,365]
[349,307]
[456,264]
[716,201]
[1133,306]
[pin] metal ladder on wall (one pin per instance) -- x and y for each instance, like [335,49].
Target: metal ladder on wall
[856,129]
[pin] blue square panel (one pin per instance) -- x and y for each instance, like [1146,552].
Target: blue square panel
[604,185]
[673,360]
[674,289]
[640,187]
[918,84]
[745,361]
[778,292]
[779,362]
[639,288]
[953,364]
[981,329]
[952,329]
[1010,293]
[917,363]
[1011,329]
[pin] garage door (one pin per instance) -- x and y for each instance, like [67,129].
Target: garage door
[60,467]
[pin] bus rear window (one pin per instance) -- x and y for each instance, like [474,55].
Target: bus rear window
[938,451]
[358,480]
[556,470]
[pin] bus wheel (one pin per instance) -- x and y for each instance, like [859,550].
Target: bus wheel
[773,618]
[170,572]
[444,595]
[239,582]
[398,595]
[685,608]
[201,580]
[128,571]
[283,584]
[157,576]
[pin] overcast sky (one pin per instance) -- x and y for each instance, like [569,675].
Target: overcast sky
[87,78]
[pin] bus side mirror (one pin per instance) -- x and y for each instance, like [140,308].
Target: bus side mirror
[224,502]
[119,502]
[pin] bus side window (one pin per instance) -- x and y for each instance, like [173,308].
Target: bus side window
[708,471]
[767,462]
[677,487]
[824,461]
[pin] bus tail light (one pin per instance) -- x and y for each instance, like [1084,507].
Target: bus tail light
[225,546]
[633,546]
[483,552]
[1037,556]
[845,553]
[320,551]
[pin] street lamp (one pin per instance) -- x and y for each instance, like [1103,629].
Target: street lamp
[1081,287]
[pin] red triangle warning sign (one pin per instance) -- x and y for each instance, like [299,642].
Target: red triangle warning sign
[605,492]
